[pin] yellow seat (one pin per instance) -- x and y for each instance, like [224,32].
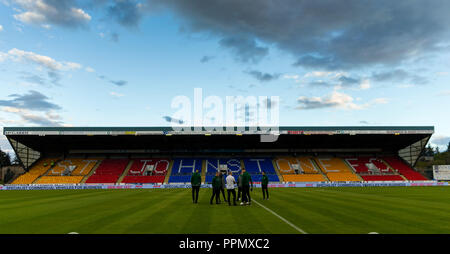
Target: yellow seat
[304,178]
[40,168]
[59,179]
[336,169]
[82,166]
[309,172]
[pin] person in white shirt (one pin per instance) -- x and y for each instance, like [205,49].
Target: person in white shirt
[230,188]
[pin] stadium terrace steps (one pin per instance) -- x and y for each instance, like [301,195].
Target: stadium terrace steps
[169,172]
[404,169]
[108,171]
[203,174]
[320,170]
[308,171]
[55,162]
[37,170]
[277,171]
[336,169]
[92,171]
[125,172]
[352,169]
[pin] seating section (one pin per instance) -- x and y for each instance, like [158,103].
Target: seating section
[212,165]
[373,169]
[40,168]
[255,167]
[69,171]
[382,178]
[108,171]
[336,170]
[74,167]
[404,169]
[154,170]
[59,179]
[147,171]
[183,168]
[301,169]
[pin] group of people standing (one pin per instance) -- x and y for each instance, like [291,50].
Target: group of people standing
[220,182]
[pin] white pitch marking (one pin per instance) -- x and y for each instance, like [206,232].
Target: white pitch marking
[73,233]
[281,218]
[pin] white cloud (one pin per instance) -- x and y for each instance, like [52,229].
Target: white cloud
[116,94]
[1,28]
[90,69]
[39,12]
[365,84]
[45,61]
[336,100]
[322,74]
[28,117]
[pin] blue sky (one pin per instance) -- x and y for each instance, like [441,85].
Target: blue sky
[121,62]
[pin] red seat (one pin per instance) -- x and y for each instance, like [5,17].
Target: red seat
[382,178]
[108,171]
[404,169]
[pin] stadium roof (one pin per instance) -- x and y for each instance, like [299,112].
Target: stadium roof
[217,130]
[30,143]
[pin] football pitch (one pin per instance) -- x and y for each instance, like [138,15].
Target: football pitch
[386,210]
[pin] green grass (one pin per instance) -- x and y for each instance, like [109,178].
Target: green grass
[388,210]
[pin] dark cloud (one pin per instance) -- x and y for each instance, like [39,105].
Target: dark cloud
[349,81]
[54,76]
[245,49]
[118,82]
[398,75]
[114,82]
[125,12]
[33,78]
[205,59]
[114,37]
[263,77]
[33,100]
[322,34]
[172,120]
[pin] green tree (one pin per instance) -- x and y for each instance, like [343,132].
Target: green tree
[5,159]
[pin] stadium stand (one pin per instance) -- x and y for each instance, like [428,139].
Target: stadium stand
[147,171]
[68,171]
[255,166]
[336,170]
[404,169]
[40,168]
[373,169]
[212,165]
[182,169]
[300,169]
[108,171]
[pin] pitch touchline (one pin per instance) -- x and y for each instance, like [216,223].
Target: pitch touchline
[281,218]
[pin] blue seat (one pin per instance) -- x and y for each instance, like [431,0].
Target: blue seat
[212,165]
[257,165]
[186,166]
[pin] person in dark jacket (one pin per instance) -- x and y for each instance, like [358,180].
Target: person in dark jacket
[239,186]
[216,183]
[246,183]
[264,183]
[222,186]
[196,181]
